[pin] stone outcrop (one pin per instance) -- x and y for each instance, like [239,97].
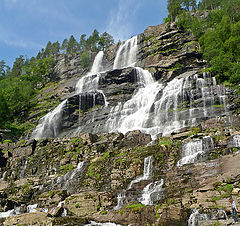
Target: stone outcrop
[93,170]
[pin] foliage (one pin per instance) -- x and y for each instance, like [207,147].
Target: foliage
[218,33]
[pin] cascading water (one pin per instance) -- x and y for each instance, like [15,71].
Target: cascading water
[147,172]
[235,142]
[126,54]
[50,124]
[152,193]
[89,82]
[194,151]
[22,172]
[93,223]
[195,217]
[66,178]
[147,175]
[154,109]
[3,176]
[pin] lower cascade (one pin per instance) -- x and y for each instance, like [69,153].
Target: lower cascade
[194,151]
[150,194]
[197,218]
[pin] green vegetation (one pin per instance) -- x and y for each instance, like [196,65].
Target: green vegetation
[136,207]
[28,77]
[218,32]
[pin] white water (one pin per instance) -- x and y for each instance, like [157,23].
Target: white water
[236,141]
[10,213]
[155,108]
[22,172]
[66,178]
[3,176]
[126,54]
[147,175]
[50,124]
[195,217]
[89,82]
[120,200]
[147,172]
[32,208]
[151,193]
[194,151]
[92,223]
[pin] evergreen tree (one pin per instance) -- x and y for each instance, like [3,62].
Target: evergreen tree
[72,46]
[4,69]
[105,41]
[174,8]
[82,43]
[92,41]
[64,45]
[17,66]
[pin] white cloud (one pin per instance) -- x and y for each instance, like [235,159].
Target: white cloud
[120,25]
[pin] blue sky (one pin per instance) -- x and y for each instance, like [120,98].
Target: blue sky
[27,25]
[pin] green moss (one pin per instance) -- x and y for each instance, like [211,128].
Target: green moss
[215,198]
[166,141]
[7,141]
[103,212]
[51,194]
[77,205]
[135,207]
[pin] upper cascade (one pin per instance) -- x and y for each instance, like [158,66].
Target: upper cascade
[126,54]
[151,107]
[89,82]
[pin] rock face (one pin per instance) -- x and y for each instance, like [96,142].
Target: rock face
[101,151]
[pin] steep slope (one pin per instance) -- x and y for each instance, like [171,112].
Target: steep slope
[101,152]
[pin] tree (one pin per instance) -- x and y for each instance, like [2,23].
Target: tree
[85,60]
[92,41]
[72,45]
[64,45]
[17,66]
[105,41]
[174,8]
[4,69]
[82,43]
[55,48]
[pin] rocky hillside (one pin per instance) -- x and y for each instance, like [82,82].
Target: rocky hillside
[78,170]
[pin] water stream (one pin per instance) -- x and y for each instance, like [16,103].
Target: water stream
[194,151]
[155,108]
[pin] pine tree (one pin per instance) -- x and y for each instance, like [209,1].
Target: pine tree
[72,46]
[105,41]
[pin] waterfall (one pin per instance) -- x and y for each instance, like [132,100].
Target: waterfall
[93,223]
[152,193]
[164,108]
[9,213]
[66,178]
[147,172]
[195,217]
[134,114]
[22,172]
[89,82]
[235,141]
[50,124]
[147,175]
[32,208]
[3,176]
[120,200]
[194,151]
[153,109]
[126,54]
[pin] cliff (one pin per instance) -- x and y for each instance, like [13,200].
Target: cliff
[145,137]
